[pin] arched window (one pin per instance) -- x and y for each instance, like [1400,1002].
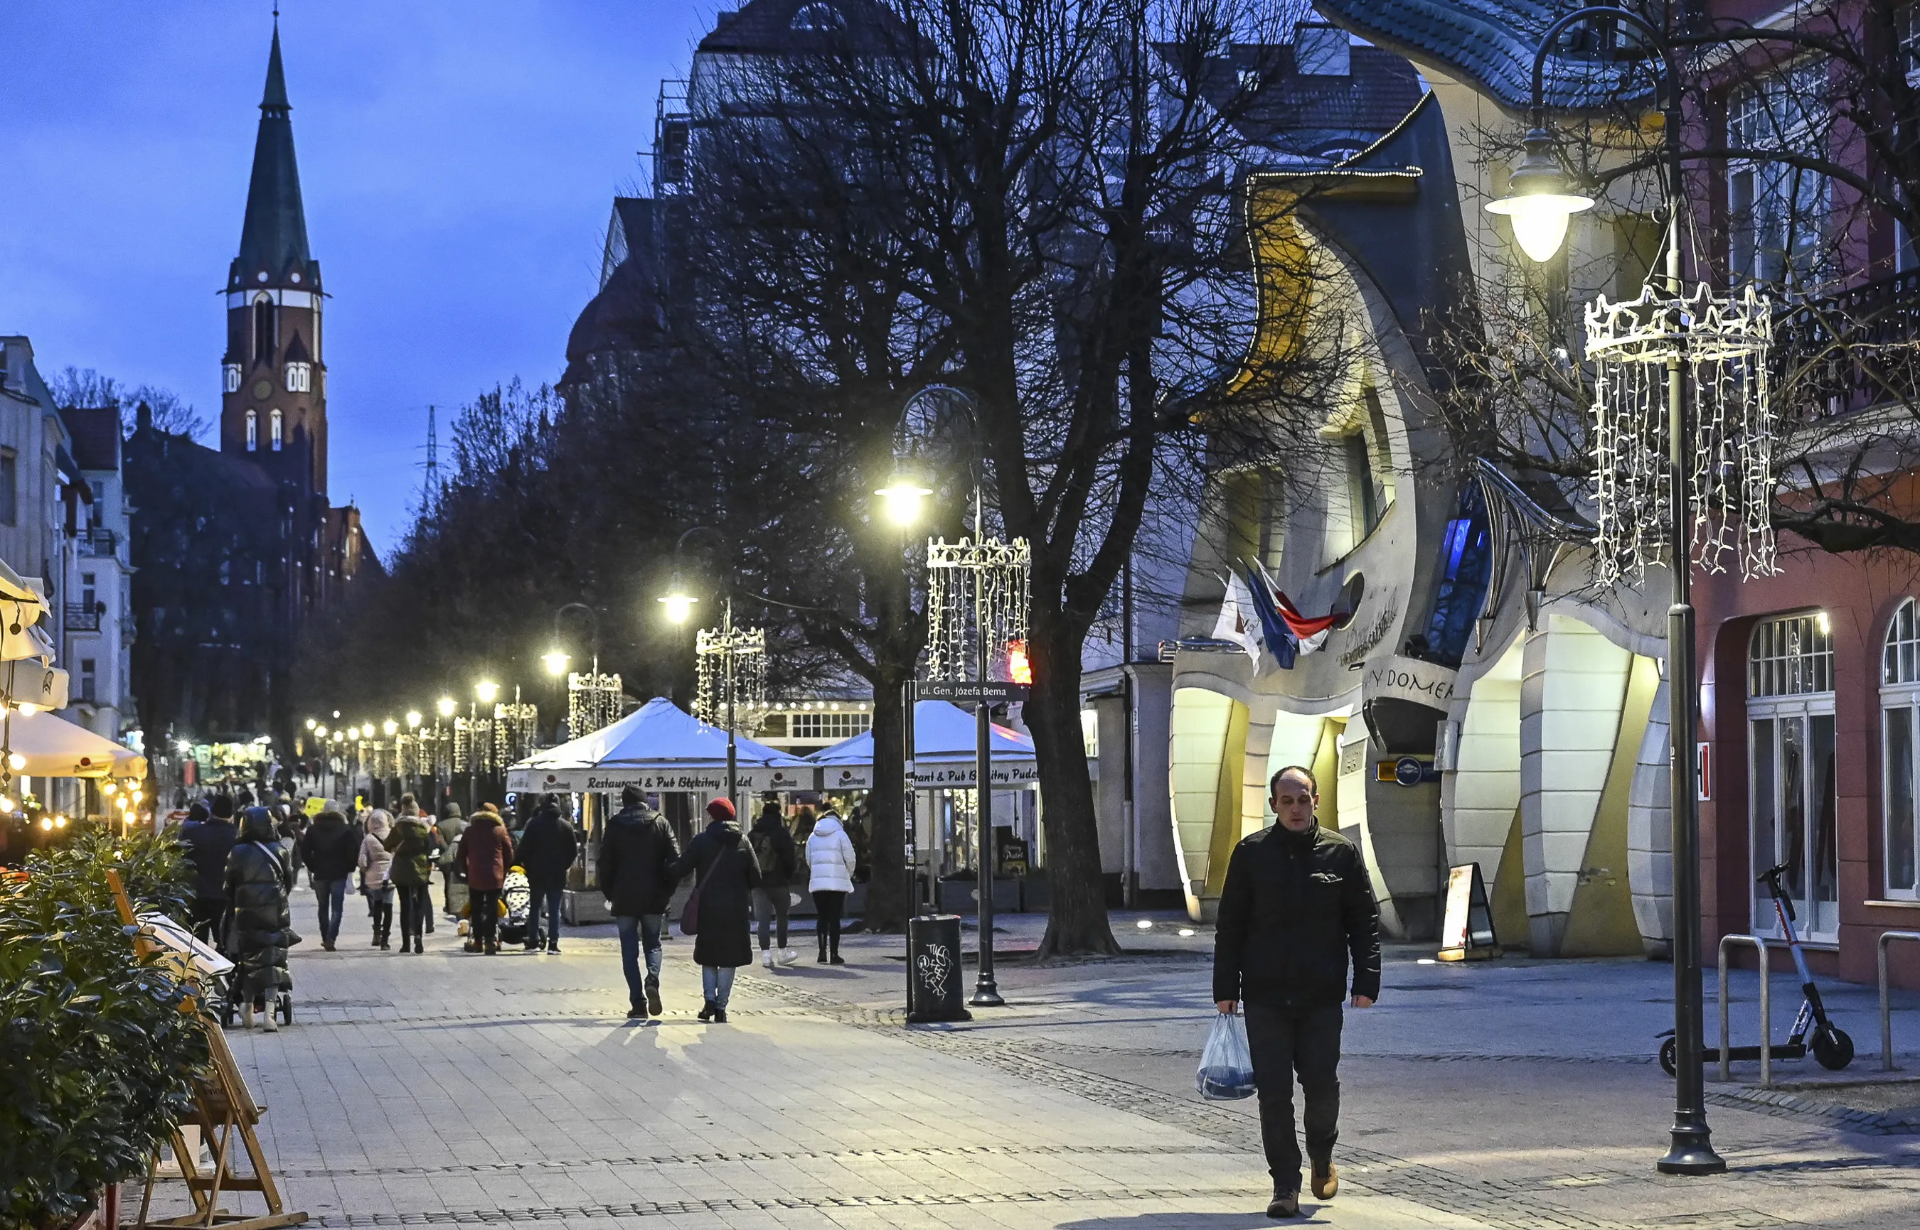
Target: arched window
[1791,797]
[266,337]
[818,16]
[299,377]
[253,431]
[1900,750]
[230,377]
[275,431]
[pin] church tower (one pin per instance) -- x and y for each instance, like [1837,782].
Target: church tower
[274,408]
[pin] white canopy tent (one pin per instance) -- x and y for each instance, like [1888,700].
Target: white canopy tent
[658,748]
[943,755]
[49,746]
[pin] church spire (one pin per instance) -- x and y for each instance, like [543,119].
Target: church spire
[273,238]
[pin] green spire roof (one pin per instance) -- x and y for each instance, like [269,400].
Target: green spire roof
[273,239]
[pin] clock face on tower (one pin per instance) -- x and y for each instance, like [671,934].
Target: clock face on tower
[263,388]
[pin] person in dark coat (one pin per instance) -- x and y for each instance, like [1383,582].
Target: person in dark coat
[547,849]
[486,851]
[725,877]
[773,851]
[208,836]
[331,851]
[257,882]
[1296,904]
[410,842]
[637,854]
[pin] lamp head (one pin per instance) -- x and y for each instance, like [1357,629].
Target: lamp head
[1538,201]
[903,496]
[310,723]
[320,732]
[678,601]
[413,719]
[390,728]
[446,706]
[485,691]
[555,660]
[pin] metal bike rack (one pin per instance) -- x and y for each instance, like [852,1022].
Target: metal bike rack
[1886,1015]
[1766,1011]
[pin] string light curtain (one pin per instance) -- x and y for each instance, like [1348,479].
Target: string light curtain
[975,588]
[593,702]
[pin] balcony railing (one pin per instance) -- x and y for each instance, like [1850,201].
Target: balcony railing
[82,617]
[1848,351]
[97,541]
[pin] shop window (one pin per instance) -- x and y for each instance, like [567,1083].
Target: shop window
[1900,729]
[1792,800]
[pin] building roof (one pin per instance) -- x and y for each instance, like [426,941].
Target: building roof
[781,27]
[96,436]
[1491,44]
[1308,113]
[273,237]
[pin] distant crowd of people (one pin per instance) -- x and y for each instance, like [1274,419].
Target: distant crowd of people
[244,871]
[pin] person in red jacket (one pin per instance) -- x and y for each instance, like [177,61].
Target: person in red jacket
[486,851]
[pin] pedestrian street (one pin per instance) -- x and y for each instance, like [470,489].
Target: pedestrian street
[452,1088]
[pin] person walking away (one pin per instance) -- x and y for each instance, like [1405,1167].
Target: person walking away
[257,881]
[637,855]
[830,864]
[486,852]
[208,837]
[376,876]
[411,846]
[725,876]
[774,853]
[1296,904]
[289,827]
[331,854]
[452,824]
[548,846]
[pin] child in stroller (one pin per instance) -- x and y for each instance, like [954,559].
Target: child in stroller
[516,895]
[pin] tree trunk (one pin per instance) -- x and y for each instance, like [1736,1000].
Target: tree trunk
[887,903]
[1077,919]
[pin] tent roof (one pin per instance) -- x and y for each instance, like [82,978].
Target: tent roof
[943,733]
[55,747]
[657,734]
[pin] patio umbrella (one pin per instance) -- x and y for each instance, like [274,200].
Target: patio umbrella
[658,747]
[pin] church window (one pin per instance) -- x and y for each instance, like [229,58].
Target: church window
[299,377]
[265,336]
[231,377]
[253,431]
[275,431]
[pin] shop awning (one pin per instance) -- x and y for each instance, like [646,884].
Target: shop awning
[943,755]
[22,612]
[51,746]
[659,747]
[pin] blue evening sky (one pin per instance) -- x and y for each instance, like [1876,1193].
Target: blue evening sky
[458,160]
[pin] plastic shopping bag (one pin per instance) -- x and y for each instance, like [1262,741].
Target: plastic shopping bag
[1226,1065]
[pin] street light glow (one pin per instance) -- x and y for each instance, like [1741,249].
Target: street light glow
[413,719]
[903,497]
[486,690]
[556,661]
[446,706]
[1537,201]
[310,724]
[319,732]
[390,727]
[679,604]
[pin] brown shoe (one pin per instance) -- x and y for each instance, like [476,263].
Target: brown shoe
[1326,1183]
[1284,1204]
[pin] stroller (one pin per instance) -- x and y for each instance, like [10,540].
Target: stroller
[516,898]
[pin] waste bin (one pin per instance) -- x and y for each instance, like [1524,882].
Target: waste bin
[935,982]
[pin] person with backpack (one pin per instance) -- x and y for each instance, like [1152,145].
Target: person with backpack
[725,876]
[376,876]
[411,845]
[830,864]
[331,852]
[773,852]
[547,846]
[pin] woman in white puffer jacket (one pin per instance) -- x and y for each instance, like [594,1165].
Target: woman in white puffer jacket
[830,879]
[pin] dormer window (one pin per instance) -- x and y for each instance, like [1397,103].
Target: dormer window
[253,431]
[818,16]
[299,377]
[275,429]
[230,377]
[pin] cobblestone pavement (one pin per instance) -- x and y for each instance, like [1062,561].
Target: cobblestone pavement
[454,1089]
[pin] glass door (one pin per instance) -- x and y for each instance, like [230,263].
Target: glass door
[1793,805]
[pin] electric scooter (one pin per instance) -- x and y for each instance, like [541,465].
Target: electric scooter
[1831,1046]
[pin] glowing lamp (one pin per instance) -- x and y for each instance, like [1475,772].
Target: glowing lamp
[486,690]
[903,497]
[555,660]
[1538,204]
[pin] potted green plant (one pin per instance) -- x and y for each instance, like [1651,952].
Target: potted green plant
[99,1055]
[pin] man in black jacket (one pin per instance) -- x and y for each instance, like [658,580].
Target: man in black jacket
[1296,903]
[331,850]
[636,874]
[546,849]
[208,840]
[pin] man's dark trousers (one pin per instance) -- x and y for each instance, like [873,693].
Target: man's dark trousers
[1286,1042]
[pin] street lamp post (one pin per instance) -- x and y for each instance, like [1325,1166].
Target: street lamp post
[729,644]
[556,658]
[443,709]
[484,692]
[1540,207]
[413,734]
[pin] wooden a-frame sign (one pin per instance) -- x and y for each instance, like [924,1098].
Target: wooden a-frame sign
[1466,929]
[223,1108]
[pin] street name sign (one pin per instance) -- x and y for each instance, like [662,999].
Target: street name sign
[969,691]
